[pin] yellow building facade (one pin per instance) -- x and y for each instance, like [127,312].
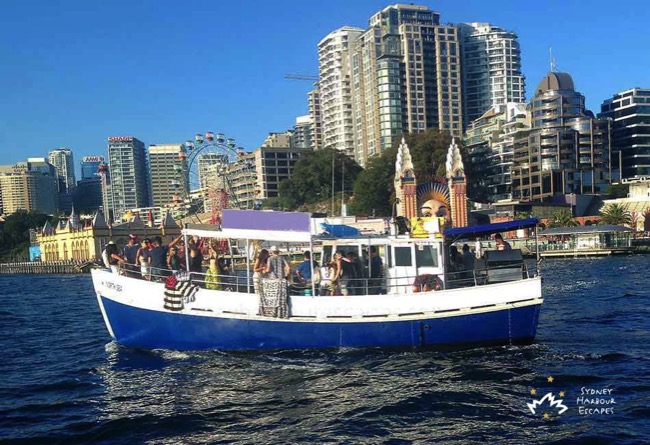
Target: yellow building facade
[72,240]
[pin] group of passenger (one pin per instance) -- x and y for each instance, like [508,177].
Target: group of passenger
[344,275]
[461,265]
[153,260]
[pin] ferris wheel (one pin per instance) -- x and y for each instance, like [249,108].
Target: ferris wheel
[213,173]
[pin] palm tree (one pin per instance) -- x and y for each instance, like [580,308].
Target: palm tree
[563,218]
[615,214]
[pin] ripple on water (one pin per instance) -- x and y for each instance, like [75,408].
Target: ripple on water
[64,381]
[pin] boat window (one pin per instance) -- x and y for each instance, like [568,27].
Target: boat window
[403,256]
[426,256]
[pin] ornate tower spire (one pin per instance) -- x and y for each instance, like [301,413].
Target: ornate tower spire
[405,183]
[457,184]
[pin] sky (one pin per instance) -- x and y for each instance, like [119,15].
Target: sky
[74,72]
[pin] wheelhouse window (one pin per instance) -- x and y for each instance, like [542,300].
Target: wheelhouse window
[426,256]
[403,256]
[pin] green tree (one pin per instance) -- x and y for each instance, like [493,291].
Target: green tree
[617,191]
[615,214]
[563,218]
[375,190]
[311,181]
[14,232]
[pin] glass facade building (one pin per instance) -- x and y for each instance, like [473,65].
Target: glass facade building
[629,112]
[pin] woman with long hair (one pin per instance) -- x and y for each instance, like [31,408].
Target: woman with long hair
[258,270]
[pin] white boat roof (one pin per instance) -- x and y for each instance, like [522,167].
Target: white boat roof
[212,231]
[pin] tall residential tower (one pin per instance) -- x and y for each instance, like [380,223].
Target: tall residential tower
[129,185]
[491,60]
[630,114]
[62,159]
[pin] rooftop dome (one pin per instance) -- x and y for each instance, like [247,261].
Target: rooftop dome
[556,81]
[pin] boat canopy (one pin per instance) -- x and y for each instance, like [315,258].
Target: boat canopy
[487,229]
[257,225]
[606,228]
[340,230]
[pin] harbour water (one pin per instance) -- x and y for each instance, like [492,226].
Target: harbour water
[63,381]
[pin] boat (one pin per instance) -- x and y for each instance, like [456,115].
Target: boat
[418,302]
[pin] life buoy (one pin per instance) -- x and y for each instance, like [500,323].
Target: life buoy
[427,283]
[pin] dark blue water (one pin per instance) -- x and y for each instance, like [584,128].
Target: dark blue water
[63,381]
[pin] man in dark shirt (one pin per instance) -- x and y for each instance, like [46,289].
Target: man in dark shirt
[158,259]
[130,256]
[376,272]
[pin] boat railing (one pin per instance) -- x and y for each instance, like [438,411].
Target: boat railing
[241,281]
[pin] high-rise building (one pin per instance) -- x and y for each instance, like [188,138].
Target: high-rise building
[63,160]
[491,60]
[629,112]
[87,196]
[90,166]
[316,118]
[209,164]
[169,174]
[301,137]
[129,168]
[489,143]
[335,88]
[405,77]
[566,151]
[30,186]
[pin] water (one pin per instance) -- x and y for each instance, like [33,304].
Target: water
[63,381]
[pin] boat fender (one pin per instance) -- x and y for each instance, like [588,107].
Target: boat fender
[427,283]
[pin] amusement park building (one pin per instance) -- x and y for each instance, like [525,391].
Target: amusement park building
[72,240]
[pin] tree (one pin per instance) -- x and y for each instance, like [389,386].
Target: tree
[563,218]
[617,191]
[311,181]
[615,214]
[375,190]
[14,231]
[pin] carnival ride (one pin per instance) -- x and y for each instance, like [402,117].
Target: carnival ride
[213,173]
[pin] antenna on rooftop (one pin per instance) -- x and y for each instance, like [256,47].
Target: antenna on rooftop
[552,59]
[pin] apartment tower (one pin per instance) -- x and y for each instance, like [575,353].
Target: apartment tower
[491,59]
[62,159]
[168,171]
[629,112]
[129,168]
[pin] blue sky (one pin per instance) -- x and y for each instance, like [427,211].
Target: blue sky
[74,72]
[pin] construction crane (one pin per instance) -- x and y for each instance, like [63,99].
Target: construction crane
[301,77]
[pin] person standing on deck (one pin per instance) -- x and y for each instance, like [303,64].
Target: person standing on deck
[112,257]
[303,271]
[274,301]
[131,255]
[258,270]
[376,272]
[501,243]
[158,258]
[144,259]
[344,272]
[196,257]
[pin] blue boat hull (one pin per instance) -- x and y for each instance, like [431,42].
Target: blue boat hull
[144,328]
